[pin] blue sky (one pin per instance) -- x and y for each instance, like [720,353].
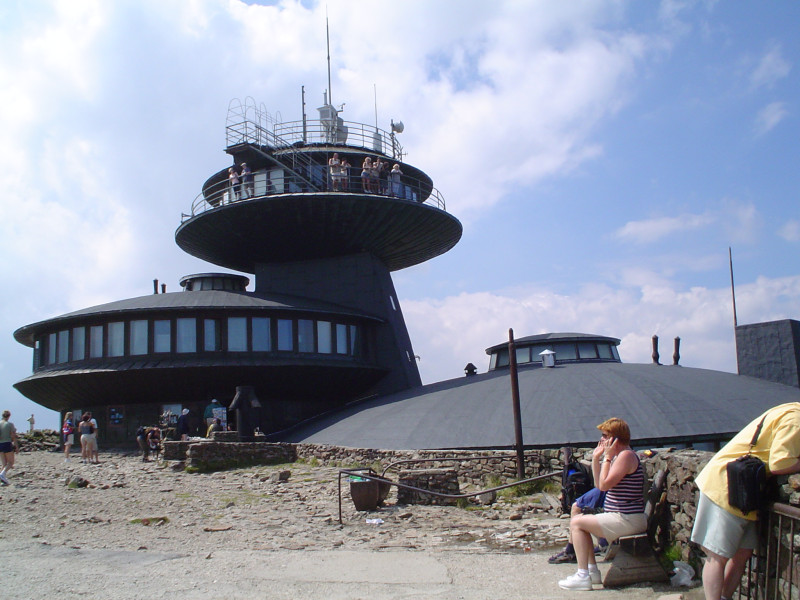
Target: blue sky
[602,157]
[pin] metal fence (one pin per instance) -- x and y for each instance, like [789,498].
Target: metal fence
[773,573]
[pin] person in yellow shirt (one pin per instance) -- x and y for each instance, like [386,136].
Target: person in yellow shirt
[727,535]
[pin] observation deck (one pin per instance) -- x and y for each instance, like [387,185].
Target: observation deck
[295,210]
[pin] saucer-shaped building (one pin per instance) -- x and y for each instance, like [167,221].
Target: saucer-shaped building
[322,326]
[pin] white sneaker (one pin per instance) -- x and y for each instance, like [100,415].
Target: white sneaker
[3,479]
[576,582]
[595,576]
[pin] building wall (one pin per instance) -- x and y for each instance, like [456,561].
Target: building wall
[770,351]
[360,282]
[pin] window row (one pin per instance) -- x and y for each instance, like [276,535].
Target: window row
[191,335]
[565,351]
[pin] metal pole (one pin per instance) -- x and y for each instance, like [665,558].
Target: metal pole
[733,291]
[512,370]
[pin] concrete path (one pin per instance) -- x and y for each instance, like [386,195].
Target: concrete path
[35,570]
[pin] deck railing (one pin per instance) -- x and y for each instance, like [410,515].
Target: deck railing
[275,182]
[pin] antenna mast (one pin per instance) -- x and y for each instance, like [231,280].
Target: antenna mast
[733,292]
[328,41]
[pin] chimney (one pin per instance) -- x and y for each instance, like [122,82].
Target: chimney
[655,350]
[155,286]
[163,288]
[676,355]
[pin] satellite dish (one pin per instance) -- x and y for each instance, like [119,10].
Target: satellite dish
[397,127]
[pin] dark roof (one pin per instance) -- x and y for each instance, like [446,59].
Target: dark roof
[196,300]
[560,405]
[555,337]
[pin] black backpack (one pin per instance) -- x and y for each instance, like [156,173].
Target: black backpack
[576,480]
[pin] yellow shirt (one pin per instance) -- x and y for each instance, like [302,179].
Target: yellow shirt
[778,446]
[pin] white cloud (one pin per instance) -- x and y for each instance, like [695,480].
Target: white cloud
[769,117]
[652,230]
[790,231]
[771,68]
[450,332]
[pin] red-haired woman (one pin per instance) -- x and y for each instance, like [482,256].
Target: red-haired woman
[617,471]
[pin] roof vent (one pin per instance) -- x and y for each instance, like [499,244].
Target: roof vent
[548,358]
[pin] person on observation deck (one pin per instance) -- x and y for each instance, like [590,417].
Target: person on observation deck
[233,181]
[248,181]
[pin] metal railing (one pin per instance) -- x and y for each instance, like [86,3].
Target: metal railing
[314,179]
[773,572]
[370,475]
[342,133]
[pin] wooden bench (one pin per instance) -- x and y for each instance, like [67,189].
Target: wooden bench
[632,557]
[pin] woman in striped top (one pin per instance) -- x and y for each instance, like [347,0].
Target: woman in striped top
[617,471]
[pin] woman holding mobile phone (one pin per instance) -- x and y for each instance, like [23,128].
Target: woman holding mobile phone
[617,471]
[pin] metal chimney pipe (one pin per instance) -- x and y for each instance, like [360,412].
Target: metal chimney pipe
[655,350]
[676,355]
[163,288]
[155,286]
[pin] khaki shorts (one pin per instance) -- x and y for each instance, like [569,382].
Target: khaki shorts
[616,525]
[91,442]
[720,532]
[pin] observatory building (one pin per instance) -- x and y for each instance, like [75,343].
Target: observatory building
[308,212]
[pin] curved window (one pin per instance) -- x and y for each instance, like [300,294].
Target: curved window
[285,335]
[604,351]
[324,338]
[523,354]
[186,335]
[138,338]
[212,341]
[502,358]
[162,338]
[63,346]
[305,335]
[237,334]
[341,338]
[587,350]
[116,339]
[261,335]
[242,334]
[52,347]
[96,341]
[565,351]
[78,343]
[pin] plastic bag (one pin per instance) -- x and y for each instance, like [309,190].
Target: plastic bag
[683,574]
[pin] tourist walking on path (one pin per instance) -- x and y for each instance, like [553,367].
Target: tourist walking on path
[8,445]
[68,433]
[617,471]
[727,535]
[182,427]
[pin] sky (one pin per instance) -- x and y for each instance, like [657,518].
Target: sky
[602,157]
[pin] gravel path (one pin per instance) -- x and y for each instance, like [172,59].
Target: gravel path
[147,530]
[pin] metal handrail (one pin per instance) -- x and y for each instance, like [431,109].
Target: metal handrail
[222,193]
[348,133]
[370,477]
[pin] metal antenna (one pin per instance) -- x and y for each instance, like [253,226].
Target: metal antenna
[328,40]
[733,292]
[375,95]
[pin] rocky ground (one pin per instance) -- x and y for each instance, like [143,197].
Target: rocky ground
[130,512]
